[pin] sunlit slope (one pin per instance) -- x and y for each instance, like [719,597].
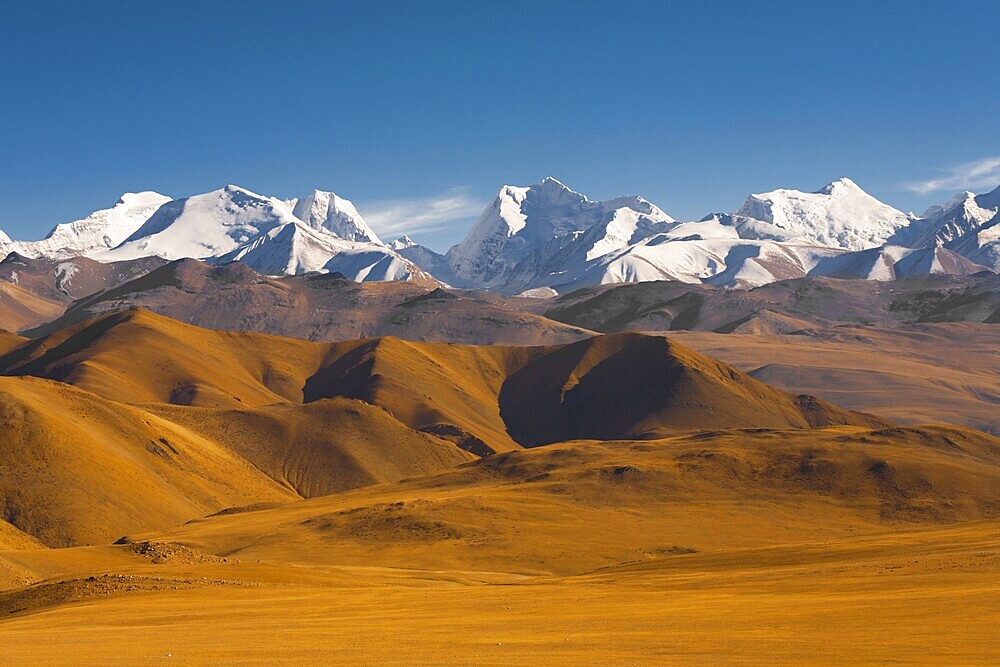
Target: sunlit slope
[80,469]
[139,357]
[575,507]
[10,341]
[917,374]
[21,308]
[322,447]
[483,398]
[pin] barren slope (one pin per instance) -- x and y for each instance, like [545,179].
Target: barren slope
[319,307]
[574,507]
[21,308]
[923,373]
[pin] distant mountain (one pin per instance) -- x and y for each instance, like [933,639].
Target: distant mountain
[840,215]
[432,262]
[293,248]
[547,236]
[964,214]
[99,231]
[203,225]
[546,216]
[326,211]
[781,307]
[982,245]
[65,280]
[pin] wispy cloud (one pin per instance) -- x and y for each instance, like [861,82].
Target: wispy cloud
[422,214]
[976,175]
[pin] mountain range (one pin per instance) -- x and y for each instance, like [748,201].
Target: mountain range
[546,238]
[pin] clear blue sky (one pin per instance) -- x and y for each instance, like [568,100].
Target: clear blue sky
[429,107]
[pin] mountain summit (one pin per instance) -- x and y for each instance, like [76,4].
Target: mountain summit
[544,217]
[325,210]
[839,215]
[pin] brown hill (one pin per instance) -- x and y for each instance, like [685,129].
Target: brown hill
[319,307]
[630,385]
[10,342]
[574,507]
[781,307]
[324,447]
[138,357]
[80,469]
[64,280]
[924,373]
[21,308]
[485,398]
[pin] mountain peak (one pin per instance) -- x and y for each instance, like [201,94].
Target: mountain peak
[326,211]
[840,185]
[840,215]
[402,243]
[144,198]
[551,181]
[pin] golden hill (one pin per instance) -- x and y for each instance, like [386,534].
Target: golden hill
[80,469]
[155,422]
[139,357]
[378,500]
[578,506]
[620,385]
[22,309]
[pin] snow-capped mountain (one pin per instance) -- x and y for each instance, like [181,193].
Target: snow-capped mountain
[203,225]
[524,220]
[4,239]
[431,262]
[840,215]
[965,213]
[402,243]
[982,245]
[547,236]
[893,262]
[100,230]
[294,248]
[235,224]
[325,210]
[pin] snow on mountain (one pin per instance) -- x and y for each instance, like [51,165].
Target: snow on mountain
[4,238]
[523,220]
[893,262]
[548,236]
[710,256]
[982,246]
[941,225]
[203,226]
[100,230]
[426,259]
[326,211]
[294,248]
[841,215]
[402,243]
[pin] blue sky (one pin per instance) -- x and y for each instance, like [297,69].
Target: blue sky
[419,111]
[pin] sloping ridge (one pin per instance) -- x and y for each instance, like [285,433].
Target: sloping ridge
[502,397]
[138,357]
[168,422]
[636,386]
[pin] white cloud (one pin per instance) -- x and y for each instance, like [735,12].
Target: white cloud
[976,175]
[423,214]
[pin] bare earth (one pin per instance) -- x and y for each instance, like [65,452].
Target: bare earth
[172,494]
